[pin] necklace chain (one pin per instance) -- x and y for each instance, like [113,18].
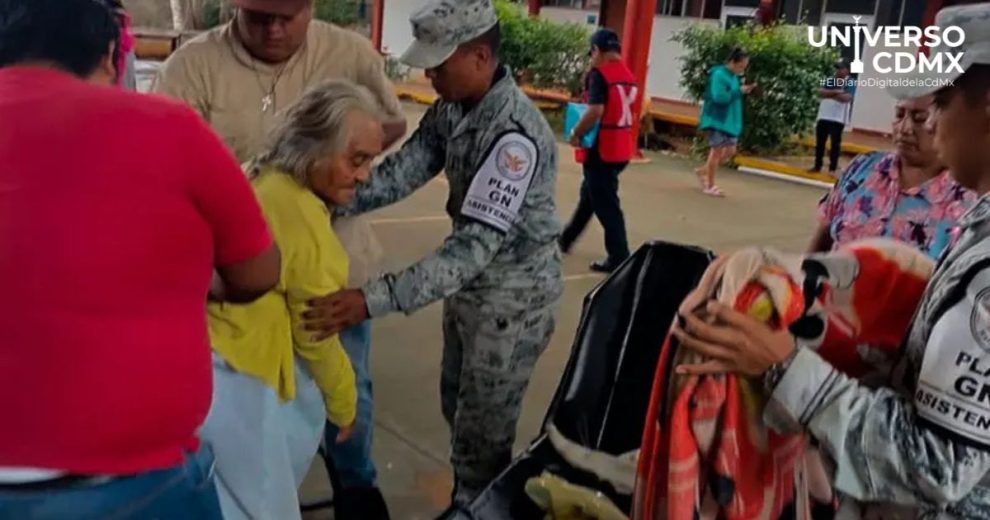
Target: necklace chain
[268,100]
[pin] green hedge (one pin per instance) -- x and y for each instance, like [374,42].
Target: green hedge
[345,13]
[544,53]
[787,69]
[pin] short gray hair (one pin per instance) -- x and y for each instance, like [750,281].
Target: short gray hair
[314,127]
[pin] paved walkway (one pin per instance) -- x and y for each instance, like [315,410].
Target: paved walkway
[661,201]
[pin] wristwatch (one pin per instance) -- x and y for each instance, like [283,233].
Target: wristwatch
[776,372]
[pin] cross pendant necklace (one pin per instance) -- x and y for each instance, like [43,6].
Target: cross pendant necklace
[268,100]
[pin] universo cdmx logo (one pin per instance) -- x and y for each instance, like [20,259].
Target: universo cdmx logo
[908,38]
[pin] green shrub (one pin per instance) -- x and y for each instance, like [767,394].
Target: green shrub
[345,13]
[546,54]
[211,14]
[395,69]
[787,69]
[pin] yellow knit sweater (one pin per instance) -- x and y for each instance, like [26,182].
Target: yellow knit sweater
[262,337]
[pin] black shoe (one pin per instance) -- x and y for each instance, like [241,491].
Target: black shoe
[817,169]
[565,247]
[605,266]
[360,503]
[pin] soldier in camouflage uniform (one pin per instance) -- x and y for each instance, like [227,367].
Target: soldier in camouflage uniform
[499,272]
[919,447]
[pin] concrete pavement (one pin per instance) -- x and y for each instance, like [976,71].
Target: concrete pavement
[661,200]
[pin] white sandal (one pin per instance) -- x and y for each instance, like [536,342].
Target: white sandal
[714,191]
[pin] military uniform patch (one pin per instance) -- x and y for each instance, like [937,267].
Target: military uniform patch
[953,390]
[979,319]
[499,188]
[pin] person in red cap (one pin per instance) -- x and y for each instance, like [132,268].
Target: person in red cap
[241,77]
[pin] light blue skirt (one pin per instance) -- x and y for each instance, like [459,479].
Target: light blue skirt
[263,447]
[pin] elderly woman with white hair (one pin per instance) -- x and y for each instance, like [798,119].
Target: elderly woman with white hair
[274,384]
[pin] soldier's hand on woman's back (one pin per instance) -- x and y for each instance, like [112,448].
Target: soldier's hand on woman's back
[335,312]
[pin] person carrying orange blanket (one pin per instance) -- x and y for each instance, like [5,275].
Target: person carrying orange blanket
[706,452]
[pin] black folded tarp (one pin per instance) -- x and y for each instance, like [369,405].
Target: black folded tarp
[604,392]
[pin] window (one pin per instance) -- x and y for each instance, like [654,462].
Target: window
[742,3]
[575,4]
[913,14]
[851,6]
[811,12]
[690,8]
[733,20]
[670,7]
[889,13]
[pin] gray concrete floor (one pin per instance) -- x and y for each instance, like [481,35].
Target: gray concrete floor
[661,200]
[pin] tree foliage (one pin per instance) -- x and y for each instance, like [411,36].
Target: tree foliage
[345,13]
[787,70]
[547,54]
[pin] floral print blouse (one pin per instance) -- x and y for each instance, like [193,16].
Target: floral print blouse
[868,202]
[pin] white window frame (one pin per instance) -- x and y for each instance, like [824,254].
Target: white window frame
[833,18]
[684,8]
[745,12]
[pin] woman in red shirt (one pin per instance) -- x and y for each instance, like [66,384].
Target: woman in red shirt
[116,210]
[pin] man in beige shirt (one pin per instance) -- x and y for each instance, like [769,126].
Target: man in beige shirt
[240,77]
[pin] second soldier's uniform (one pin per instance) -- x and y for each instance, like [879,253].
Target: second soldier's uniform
[499,271]
[919,448]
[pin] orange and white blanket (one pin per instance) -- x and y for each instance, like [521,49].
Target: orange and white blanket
[706,453]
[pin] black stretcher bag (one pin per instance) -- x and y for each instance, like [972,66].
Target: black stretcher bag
[604,393]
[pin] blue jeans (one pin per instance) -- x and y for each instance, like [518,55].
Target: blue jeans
[182,492]
[350,463]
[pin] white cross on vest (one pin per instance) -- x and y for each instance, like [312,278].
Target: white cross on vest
[627,96]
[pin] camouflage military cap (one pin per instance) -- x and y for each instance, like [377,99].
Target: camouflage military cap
[442,25]
[974,22]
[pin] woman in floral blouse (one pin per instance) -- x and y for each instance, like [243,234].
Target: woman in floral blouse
[905,194]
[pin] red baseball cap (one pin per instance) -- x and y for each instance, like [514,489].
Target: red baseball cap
[276,7]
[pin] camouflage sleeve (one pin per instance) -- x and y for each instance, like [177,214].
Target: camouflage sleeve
[462,257]
[926,450]
[491,208]
[420,159]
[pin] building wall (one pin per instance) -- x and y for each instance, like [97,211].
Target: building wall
[150,13]
[873,108]
[396,31]
[662,79]
[563,14]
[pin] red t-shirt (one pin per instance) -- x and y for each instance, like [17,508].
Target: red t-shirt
[114,209]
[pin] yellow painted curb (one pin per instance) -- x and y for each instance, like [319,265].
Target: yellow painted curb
[677,119]
[781,168]
[418,96]
[851,148]
[415,95]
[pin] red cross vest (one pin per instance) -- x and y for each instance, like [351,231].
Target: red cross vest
[616,142]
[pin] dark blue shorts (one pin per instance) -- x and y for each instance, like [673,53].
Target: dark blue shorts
[718,139]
